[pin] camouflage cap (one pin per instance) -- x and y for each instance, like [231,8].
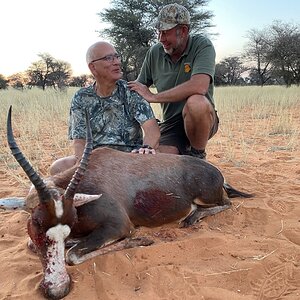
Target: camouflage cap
[171,15]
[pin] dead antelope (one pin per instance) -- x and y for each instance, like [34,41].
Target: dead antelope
[115,191]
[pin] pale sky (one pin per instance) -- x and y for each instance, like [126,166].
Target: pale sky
[66,28]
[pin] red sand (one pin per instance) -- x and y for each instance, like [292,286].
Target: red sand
[251,251]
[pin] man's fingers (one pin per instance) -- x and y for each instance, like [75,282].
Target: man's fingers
[144,151]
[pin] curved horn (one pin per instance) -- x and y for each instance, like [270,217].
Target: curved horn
[36,180]
[78,175]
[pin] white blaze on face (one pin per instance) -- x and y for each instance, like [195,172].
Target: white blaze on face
[59,210]
[56,275]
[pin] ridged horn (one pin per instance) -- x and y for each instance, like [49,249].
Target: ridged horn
[37,181]
[78,175]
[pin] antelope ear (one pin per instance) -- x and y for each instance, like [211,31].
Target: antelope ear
[81,199]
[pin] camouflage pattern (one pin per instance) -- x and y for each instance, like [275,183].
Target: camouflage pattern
[115,120]
[171,15]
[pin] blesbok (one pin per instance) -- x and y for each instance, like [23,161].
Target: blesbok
[115,191]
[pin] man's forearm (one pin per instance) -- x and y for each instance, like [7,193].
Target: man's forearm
[78,146]
[195,86]
[153,142]
[151,133]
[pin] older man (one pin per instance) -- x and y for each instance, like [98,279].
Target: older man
[181,67]
[120,118]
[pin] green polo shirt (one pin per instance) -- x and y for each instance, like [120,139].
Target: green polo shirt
[159,70]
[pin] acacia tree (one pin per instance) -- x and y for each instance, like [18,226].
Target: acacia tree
[257,53]
[275,52]
[18,80]
[229,71]
[3,82]
[60,75]
[132,31]
[81,80]
[48,71]
[285,52]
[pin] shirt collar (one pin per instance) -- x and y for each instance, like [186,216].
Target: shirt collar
[91,89]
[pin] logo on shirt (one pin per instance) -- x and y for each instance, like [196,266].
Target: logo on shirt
[187,68]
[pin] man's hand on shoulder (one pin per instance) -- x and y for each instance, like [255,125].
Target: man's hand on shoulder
[142,90]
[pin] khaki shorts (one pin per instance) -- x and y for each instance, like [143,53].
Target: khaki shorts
[173,134]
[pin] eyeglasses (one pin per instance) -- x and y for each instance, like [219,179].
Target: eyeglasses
[109,58]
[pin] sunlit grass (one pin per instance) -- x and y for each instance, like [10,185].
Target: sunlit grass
[248,115]
[264,112]
[39,120]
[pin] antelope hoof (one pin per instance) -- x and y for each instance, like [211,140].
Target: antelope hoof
[72,257]
[31,246]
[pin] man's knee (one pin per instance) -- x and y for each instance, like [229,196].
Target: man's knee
[200,117]
[62,164]
[197,105]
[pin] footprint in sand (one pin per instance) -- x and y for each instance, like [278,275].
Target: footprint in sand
[293,235]
[181,284]
[277,282]
[280,206]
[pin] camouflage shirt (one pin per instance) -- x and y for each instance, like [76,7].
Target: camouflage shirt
[115,120]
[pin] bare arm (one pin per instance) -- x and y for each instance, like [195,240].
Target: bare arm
[78,146]
[151,133]
[197,85]
[151,137]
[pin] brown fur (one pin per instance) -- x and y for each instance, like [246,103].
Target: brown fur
[147,190]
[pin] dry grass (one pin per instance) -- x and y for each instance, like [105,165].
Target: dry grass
[39,120]
[267,112]
[40,123]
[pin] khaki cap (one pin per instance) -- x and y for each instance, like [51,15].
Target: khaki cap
[171,15]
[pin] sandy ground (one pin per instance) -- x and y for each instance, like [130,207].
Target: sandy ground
[251,251]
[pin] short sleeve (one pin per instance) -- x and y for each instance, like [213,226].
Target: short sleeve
[77,127]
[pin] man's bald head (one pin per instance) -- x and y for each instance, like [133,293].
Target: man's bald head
[95,50]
